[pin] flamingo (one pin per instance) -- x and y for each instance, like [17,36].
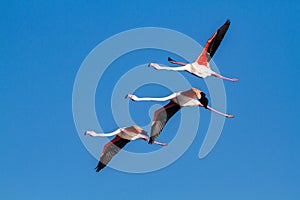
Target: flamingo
[123,136]
[201,67]
[191,97]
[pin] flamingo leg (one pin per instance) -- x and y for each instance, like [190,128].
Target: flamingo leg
[225,78]
[155,142]
[220,113]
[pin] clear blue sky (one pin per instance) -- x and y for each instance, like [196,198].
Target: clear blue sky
[43,45]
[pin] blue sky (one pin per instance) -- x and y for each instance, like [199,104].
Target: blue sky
[42,47]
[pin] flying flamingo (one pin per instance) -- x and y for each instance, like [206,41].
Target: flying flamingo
[191,97]
[123,136]
[201,67]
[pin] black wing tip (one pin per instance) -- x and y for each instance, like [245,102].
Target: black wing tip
[151,140]
[99,167]
[228,21]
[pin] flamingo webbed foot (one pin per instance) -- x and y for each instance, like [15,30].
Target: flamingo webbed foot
[230,116]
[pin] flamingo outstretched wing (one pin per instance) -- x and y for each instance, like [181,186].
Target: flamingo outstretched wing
[110,150]
[176,62]
[212,45]
[161,117]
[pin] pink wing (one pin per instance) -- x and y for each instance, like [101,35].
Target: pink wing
[212,45]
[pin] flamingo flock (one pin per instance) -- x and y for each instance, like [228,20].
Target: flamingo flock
[192,97]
